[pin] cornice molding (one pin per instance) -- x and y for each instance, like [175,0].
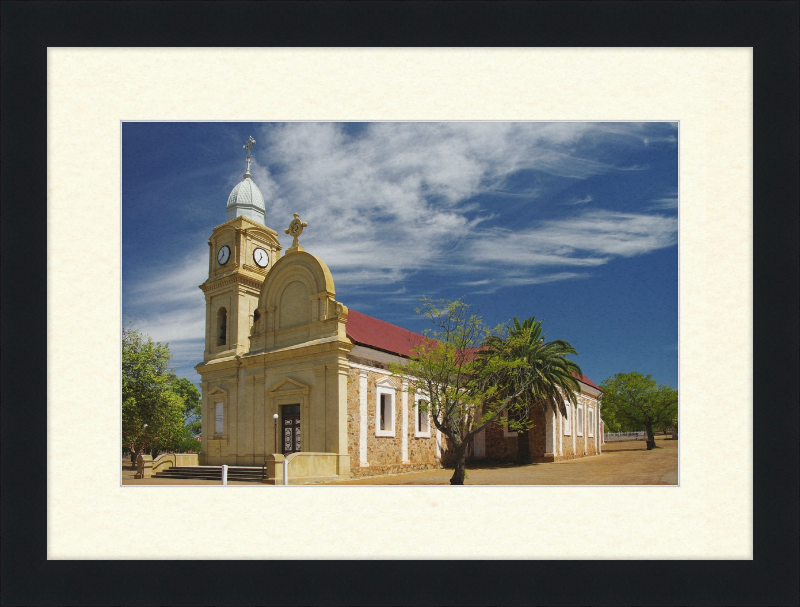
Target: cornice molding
[235,277]
[253,226]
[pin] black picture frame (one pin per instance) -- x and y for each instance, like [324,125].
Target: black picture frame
[28,28]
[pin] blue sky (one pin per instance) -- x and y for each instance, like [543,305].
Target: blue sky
[574,223]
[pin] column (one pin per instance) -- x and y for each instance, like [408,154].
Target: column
[404,425]
[362,417]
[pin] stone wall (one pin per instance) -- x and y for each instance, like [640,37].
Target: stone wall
[384,453]
[498,446]
[537,434]
[353,417]
[504,448]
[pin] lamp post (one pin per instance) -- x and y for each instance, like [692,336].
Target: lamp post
[275,417]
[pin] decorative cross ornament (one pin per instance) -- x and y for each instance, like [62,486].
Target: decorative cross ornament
[295,229]
[249,146]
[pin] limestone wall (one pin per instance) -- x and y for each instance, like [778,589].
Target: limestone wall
[402,452]
[500,447]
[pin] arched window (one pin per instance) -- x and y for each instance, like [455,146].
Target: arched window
[222,327]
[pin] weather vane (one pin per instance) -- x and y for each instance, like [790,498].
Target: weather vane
[295,229]
[249,146]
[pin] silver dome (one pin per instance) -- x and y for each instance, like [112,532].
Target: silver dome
[246,199]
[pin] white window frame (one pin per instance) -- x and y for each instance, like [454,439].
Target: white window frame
[417,432]
[591,421]
[579,420]
[567,420]
[506,432]
[391,393]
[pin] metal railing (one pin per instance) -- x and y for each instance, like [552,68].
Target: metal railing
[615,436]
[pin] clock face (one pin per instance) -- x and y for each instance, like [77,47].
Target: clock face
[223,255]
[295,227]
[261,258]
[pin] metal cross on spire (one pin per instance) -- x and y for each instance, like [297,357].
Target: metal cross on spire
[249,146]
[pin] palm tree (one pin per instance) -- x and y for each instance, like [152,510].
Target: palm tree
[551,376]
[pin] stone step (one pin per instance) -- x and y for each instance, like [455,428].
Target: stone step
[244,479]
[235,473]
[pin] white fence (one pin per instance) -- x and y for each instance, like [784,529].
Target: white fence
[615,436]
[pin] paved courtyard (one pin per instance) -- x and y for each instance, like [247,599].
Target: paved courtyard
[621,463]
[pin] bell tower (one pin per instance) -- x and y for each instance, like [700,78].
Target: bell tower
[241,252]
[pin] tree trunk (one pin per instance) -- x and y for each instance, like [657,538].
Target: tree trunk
[134,457]
[461,465]
[523,449]
[651,440]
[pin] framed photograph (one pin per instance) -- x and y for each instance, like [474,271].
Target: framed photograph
[729,88]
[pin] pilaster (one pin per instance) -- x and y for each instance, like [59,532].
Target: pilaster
[316,428]
[259,439]
[573,416]
[559,432]
[404,424]
[362,417]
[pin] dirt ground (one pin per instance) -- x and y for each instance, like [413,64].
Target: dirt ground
[621,463]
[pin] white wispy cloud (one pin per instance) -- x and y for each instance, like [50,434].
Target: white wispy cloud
[398,199]
[175,283]
[668,201]
[517,281]
[172,326]
[397,195]
[168,306]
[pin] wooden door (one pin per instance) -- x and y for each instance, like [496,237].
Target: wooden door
[291,428]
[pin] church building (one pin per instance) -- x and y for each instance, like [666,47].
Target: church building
[289,372]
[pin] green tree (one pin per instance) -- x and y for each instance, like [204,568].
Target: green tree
[459,387]
[548,373]
[152,413]
[637,400]
[191,404]
[184,441]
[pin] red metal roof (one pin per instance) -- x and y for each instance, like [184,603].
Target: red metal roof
[373,333]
